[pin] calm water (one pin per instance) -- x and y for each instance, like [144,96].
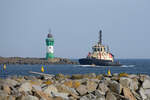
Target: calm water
[129,66]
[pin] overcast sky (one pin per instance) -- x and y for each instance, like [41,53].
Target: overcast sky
[75,24]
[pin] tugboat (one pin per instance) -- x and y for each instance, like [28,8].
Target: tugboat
[100,56]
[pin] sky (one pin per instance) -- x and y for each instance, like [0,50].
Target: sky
[75,24]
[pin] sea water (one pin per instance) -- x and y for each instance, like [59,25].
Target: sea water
[131,66]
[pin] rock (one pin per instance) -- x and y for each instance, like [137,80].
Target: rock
[91,96]
[11,97]
[72,84]
[36,87]
[11,82]
[25,87]
[82,90]
[100,77]
[147,93]
[5,96]
[36,82]
[30,97]
[77,76]
[146,83]
[84,98]
[123,75]
[42,95]
[103,88]
[68,83]
[76,84]
[142,93]
[129,83]
[70,91]
[101,98]
[48,90]
[115,78]
[137,95]
[128,94]
[62,95]
[110,96]
[98,93]
[91,86]
[134,85]
[58,98]
[91,75]
[88,97]
[143,77]
[59,76]
[125,82]
[6,89]
[133,76]
[115,87]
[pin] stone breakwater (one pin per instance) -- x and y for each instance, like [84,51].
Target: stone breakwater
[19,60]
[76,87]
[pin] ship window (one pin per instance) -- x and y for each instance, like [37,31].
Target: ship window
[94,49]
[101,49]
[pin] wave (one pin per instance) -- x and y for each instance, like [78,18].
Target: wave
[128,66]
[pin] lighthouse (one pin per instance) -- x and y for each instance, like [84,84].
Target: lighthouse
[49,46]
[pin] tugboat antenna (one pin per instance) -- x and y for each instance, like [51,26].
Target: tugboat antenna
[108,48]
[100,37]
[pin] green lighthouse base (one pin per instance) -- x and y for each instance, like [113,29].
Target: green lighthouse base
[49,55]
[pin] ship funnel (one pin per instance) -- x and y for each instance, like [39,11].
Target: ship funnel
[100,37]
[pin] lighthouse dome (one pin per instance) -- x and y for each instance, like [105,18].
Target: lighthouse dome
[49,35]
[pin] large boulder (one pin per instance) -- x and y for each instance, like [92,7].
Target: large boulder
[125,82]
[11,82]
[41,95]
[143,77]
[129,83]
[29,97]
[82,90]
[36,87]
[6,89]
[101,98]
[91,86]
[25,87]
[103,88]
[62,95]
[64,89]
[98,93]
[5,96]
[84,98]
[110,96]
[146,83]
[128,94]
[72,84]
[48,90]
[145,93]
[115,87]
[88,97]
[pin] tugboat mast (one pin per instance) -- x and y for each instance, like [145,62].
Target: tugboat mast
[100,37]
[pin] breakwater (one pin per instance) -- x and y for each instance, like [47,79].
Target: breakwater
[76,87]
[19,60]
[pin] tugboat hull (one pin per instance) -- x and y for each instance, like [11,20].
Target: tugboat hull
[88,61]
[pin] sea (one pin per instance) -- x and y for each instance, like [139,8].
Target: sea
[130,66]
